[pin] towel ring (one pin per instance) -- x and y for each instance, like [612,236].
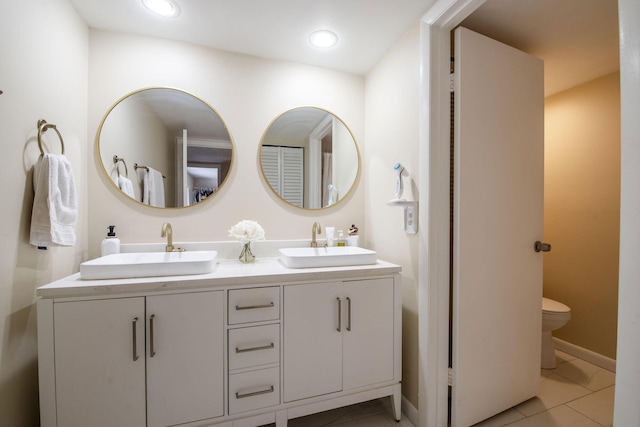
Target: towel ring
[43,126]
[117,159]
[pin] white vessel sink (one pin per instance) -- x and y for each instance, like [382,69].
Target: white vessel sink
[335,256]
[148,264]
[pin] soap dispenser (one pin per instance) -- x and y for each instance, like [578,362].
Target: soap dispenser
[111,244]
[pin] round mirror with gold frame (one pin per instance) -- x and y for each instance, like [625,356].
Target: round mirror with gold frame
[164,147]
[309,158]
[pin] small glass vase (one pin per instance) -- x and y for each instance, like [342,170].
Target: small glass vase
[246,256]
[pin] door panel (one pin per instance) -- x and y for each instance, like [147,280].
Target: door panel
[98,379]
[498,215]
[368,341]
[312,341]
[185,371]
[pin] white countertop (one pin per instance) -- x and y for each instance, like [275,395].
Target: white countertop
[226,273]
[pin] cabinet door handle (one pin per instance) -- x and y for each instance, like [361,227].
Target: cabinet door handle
[253,307]
[339,328]
[263,347]
[255,393]
[348,314]
[134,330]
[152,349]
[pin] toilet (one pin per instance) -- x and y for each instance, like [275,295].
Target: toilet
[554,315]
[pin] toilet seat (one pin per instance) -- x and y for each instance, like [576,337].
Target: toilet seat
[550,306]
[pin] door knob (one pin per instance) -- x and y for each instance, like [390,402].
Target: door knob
[541,247]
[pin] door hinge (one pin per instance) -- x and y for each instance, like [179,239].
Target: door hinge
[450,377]
[452,82]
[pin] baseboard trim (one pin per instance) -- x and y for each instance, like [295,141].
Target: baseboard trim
[584,354]
[409,411]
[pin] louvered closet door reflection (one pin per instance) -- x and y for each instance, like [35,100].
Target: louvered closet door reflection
[293,175]
[284,169]
[271,166]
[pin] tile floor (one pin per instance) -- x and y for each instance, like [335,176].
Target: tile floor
[575,394]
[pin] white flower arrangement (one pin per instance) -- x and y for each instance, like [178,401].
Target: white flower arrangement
[247,231]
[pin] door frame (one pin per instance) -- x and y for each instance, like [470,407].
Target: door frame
[434,245]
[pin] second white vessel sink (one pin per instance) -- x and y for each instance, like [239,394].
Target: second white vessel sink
[148,264]
[335,256]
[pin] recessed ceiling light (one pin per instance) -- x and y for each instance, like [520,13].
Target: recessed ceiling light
[166,8]
[323,38]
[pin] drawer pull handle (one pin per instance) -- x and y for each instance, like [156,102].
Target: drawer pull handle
[263,347]
[152,347]
[253,307]
[339,328]
[134,330]
[255,393]
[349,312]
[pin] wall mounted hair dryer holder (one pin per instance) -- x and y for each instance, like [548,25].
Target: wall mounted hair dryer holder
[410,214]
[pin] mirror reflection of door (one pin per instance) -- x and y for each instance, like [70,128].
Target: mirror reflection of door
[329,191]
[309,158]
[200,171]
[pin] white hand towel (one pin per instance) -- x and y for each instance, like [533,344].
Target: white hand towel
[153,193]
[55,208]
[126,186]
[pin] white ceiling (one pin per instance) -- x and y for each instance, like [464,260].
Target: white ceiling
[277,29]
[578,39]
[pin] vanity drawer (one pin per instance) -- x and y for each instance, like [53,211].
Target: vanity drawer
[254,346]
[254,390]
[254,305]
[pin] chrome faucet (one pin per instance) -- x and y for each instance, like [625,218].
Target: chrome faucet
[167,232]
[314,232]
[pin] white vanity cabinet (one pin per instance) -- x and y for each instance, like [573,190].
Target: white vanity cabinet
[99,363]
[244,346]
[141,361]
[337,336]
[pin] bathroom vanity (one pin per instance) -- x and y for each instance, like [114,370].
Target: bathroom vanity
[244,345]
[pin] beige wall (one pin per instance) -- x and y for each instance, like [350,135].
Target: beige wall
[248,92]
[582,210]
[43,74]
[392,93]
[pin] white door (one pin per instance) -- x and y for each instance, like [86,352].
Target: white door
[312,340]
[99,363]
[185,336]
[368,332]
[498,216]
[186,185]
